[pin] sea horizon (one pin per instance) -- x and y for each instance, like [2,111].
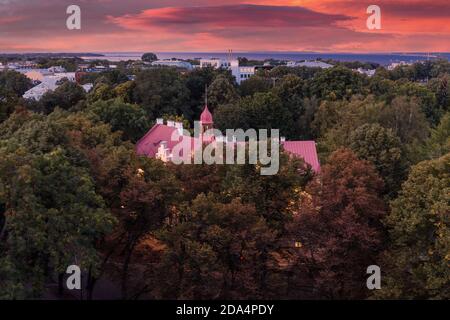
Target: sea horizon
[381,58]
[375,57]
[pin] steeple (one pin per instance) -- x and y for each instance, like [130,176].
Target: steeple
[206,117]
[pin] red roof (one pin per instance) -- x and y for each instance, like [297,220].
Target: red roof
[148,145]
[304,149]
[206,116]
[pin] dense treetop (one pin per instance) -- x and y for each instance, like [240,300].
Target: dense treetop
[72,189]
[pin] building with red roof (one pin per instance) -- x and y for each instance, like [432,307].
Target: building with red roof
[158,142]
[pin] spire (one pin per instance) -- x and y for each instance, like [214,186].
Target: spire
[206,116]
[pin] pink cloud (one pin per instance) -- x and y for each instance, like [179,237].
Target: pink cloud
[243,16]
[204,25]
[10,20]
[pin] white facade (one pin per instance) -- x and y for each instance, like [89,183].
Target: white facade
[48,83]
[394,65]
[216,63]
[310,64]
[38,91]
[369,73]
[56,69]
[240,73]
[173,63]
[245,73]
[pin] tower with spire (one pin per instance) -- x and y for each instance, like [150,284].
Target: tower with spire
[206,118]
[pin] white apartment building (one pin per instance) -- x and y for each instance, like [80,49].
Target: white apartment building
[369,72]
[215,63]
[394,65]
[240,73]
[310,64]
[172,63]
[245,73]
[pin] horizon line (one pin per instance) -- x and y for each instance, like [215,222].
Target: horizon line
[239,51]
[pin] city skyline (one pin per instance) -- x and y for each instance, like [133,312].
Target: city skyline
[200,25]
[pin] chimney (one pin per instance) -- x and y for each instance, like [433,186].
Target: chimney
[283,139]
[179,126]
[160,121]
[170,123]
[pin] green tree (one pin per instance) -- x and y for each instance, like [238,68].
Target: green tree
[149,57]
[128,118]
[439,142]
[336,83]
[217,252]
[100,92]
[162,91]
[124,91]
[404,117]
[260,111]
[290,90]
[8,103]
[254,85]
[53,219]
[424,97]
[196,81]
[419,228]
[441,89]
[14,82]
[221,92]
[66,96]
[381,147]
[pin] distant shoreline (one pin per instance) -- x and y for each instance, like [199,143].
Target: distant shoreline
[380,58]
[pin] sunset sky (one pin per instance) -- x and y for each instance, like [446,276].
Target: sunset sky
[207,25]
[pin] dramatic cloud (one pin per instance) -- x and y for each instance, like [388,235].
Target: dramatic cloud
[216,25]
[243,16]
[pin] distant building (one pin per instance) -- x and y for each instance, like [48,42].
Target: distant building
[369,73]
[36,93]
[394,65]
[88,68]
[48,83]
[56,69]
[172,63]
[241,73]
[83,67]
[310,64]
[215,63]
[245,73]
[36,74]
[20,65]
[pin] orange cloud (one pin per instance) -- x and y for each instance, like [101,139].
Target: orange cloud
[207,25]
